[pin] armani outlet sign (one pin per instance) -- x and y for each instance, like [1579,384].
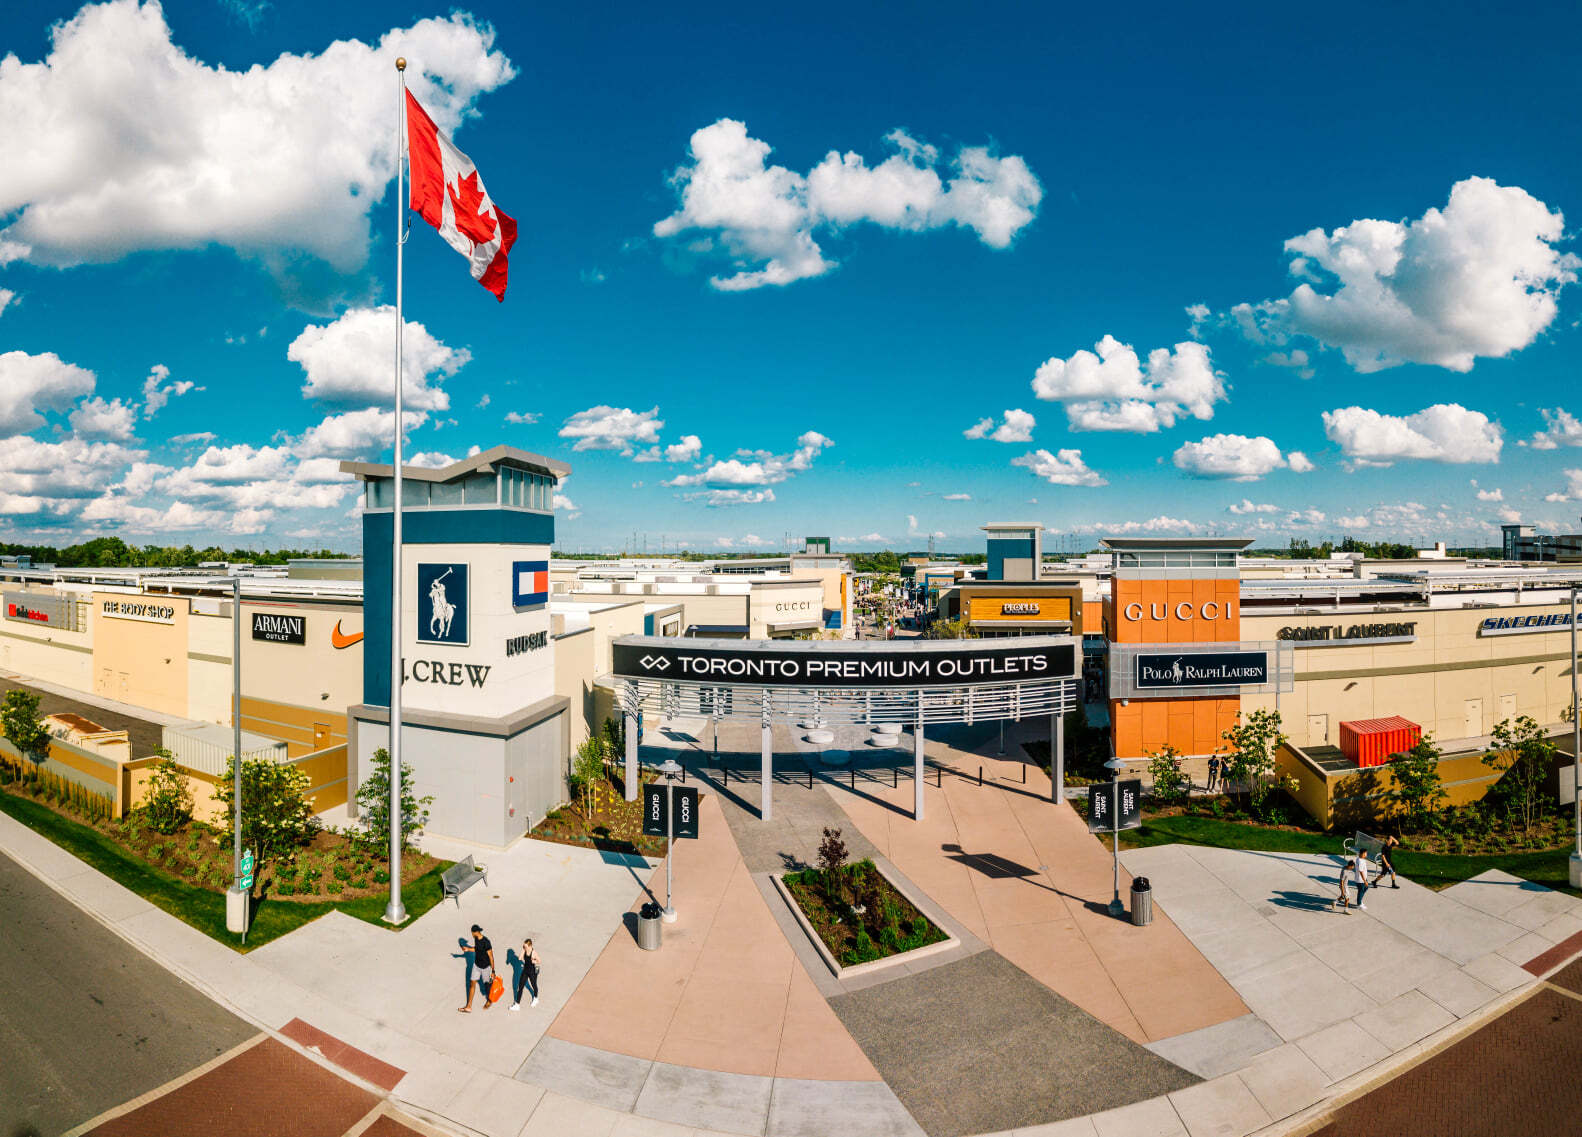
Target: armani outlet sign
[760,665]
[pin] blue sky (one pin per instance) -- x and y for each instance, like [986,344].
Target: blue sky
[201,209]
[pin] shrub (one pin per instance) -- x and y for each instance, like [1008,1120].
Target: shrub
[381,876]
[1171,785]
[341,872]
[168,804]
[276,818]
[373,804]
[285,888]
[1419,790]
[156,851]
[359,882]
[23,726]
[333,887]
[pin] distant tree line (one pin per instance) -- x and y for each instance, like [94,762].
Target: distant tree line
[112,552]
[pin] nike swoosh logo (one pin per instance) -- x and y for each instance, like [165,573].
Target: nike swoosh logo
[338,639]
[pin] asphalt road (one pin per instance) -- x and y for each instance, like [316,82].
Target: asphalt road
[87,1022]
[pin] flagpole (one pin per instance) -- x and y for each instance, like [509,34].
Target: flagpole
[395,911]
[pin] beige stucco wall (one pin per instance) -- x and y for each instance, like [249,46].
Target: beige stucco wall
[141,661]
[1430,681]
[54,655]
[790,602]
[574,674]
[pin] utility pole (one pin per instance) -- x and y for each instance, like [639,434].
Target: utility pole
[1576,752]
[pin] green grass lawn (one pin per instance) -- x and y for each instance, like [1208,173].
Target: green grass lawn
[1436,870]
[203,909]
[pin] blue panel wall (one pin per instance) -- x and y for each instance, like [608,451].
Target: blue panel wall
[999,550]
[428,526]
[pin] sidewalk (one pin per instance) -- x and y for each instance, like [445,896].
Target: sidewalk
[720,1030]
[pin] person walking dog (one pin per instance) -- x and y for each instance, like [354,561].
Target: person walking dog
[482,973]
[531,965]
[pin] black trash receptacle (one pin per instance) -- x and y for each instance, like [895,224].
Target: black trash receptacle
[650,928]
[1142,901]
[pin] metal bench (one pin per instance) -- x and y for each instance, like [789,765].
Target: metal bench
[1362,842]
[460,877]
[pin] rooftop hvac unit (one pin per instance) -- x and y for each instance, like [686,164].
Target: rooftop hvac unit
[1373,742]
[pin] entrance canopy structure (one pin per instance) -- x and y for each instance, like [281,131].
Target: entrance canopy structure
[848,683]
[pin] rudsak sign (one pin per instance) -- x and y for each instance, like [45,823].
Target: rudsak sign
[1170,670]
[751,665]
[277,628]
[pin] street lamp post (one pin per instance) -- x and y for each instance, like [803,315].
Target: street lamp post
[1114,766]
[236,906]
[1575,870]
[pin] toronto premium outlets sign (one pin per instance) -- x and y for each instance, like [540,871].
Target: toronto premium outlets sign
[1208,669]
[751,665]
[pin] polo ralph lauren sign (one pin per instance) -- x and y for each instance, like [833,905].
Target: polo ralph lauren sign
[442,603]
[750,664]
[1168,671]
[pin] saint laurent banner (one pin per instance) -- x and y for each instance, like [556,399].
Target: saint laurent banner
[751,664]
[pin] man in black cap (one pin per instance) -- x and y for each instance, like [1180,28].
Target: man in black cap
[482,973]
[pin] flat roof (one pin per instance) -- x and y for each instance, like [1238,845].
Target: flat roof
[1137,544]
[483,462]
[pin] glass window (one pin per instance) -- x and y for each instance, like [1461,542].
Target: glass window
[481,489]
[538,492]
[445,493]
[381,494]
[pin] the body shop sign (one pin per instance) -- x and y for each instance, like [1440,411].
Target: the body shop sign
[1170,671]
[146,610]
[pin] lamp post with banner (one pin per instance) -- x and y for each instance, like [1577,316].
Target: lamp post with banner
[670,811]
[1111,808]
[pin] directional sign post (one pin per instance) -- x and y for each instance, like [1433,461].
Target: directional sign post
[246,881]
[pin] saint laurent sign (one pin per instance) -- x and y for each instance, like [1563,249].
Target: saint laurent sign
[1352,632]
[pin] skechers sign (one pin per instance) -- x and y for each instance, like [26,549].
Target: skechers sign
[1173,670]
[1519,625]
[754,665]
[272,627]
[442,603]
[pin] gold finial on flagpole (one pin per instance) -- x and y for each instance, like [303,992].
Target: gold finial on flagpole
[401,63]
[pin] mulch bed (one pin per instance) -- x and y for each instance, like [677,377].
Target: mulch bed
[888,925]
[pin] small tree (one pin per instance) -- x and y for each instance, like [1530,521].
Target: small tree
[276,817]
[1526,754]
[1171,785]
[23,726]
[952,630]
[1419,790]
[168,805]
[613,731]
[587,769]
[373,804]
[1254,741]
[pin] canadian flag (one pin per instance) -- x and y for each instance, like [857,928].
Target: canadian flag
[447,191]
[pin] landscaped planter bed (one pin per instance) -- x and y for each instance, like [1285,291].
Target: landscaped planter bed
[863,921]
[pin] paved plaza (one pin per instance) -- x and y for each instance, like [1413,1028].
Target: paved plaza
[1248,1002]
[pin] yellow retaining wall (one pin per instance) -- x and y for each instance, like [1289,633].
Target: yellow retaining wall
[326,771]
[1350,798]
[94,772]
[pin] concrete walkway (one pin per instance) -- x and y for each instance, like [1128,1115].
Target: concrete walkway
[1323,1000]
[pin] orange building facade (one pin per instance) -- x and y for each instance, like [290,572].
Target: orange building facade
[1166,593]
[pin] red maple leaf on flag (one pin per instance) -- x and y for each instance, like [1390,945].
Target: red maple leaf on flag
[466,202]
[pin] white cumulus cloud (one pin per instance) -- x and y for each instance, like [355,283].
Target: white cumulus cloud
[1015,426]
[119,141]
[31,383]
[687,450]
[1063,468]
[758,467]
[763,217]
[1247,505]
[612,428]
[1110,388]
[101,421]
[522,418]
[1444,432]
[157,392]
[1561,428]
[1491,495]
[350,362]
[1480,277]
[1234,456]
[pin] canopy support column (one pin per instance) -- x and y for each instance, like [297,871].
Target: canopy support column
[631,741]
[1057,757]
[917,771]
[766,788]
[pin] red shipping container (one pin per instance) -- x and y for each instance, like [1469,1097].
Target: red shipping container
[1372,742]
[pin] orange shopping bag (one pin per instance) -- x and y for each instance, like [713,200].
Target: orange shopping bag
[496,989]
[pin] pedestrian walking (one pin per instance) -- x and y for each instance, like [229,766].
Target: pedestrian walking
[1213,772]
[1386,863]
[1362,877]
[528,976]
[482,974]
[1343,901]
